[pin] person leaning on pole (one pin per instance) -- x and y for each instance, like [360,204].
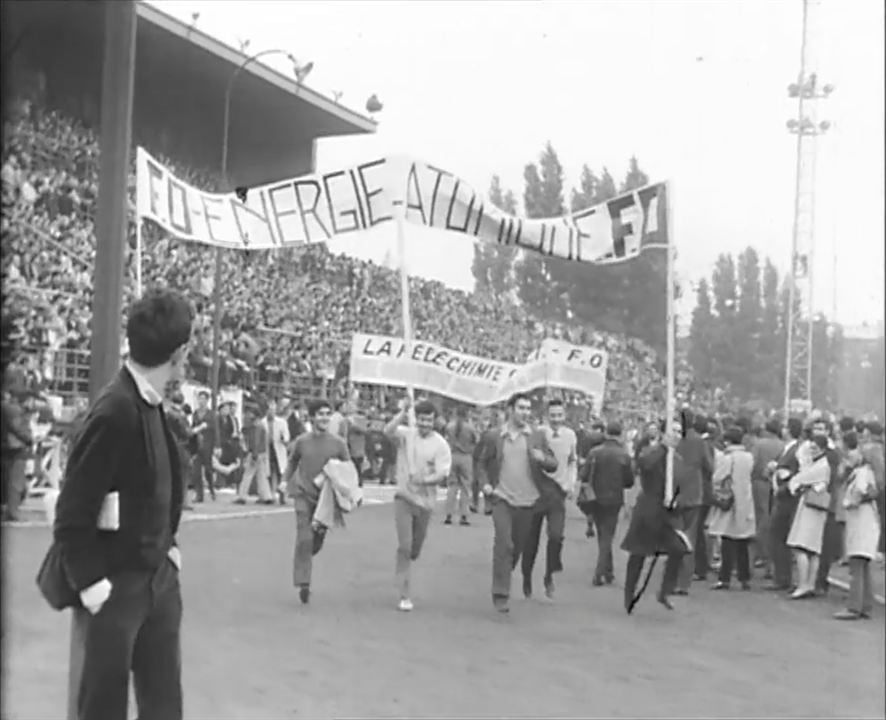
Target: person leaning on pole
[124,469]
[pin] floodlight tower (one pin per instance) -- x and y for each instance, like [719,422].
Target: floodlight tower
[808,90]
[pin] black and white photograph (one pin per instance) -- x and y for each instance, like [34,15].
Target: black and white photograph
[443,359]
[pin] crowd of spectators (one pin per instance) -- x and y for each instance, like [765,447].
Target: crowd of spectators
[284,312]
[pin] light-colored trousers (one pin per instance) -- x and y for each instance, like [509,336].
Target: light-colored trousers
[412,529]
[258,468]
[460,481]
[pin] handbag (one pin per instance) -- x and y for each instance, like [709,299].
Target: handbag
[724,498]
[818,499]
[52,580]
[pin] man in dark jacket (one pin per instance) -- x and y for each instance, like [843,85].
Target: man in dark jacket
[592,439]
[766,451]
[832,541]
[609,473]
[783,508]
[697,469]
[512,469]
[116,522]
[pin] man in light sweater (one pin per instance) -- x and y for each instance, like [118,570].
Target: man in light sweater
[554,489]
[423,462]
[311,452]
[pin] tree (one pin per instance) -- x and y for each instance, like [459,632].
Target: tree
[700,335]
[749,315]
[493,265]
[542,198]
[770,347]
[723,341]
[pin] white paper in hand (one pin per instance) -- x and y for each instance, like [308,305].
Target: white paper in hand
[109,516]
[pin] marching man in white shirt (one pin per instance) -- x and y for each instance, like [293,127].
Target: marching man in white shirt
[423,462]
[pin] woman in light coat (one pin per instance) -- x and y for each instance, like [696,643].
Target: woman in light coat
[862,532]
[807,529]
[737,526]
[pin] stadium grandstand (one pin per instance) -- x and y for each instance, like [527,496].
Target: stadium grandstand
[288,316]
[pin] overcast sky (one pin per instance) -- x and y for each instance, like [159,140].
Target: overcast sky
[695,89]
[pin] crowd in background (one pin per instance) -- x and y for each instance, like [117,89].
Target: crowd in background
[284,312]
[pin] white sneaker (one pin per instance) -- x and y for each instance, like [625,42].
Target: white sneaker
[405,605]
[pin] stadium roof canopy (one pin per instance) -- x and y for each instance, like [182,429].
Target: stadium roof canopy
[181,77]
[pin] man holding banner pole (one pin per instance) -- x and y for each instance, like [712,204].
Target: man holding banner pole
[424,462]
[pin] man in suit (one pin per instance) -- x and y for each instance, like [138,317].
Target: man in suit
[203,425]
[609,472]
[484,447]
[697,468]
[766,450]
[126,568]
[784,507]
[277,433]
[511,468]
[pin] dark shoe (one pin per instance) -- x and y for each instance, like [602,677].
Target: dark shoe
[663,600]
[239,501]
[473,509]
[464,521]
[265,502]
[847,615]
[589,533]
[549,588]
[487,512]
[304,594]
[609,579]
[720,586]
[745,586]
[527,587]
[500,602]
[597,581]
[448,520]
[682,593]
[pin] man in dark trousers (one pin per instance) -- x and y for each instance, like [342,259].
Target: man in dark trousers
[697,469]
[511,469]
[116,522]
[783,508]
[832,541]
[766,451]
[203,425]
[592,439]
[609,472]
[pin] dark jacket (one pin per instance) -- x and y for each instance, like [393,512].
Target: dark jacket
[15,429]
[787,461]
[609,472]
[115,451]
[696,470]
[489,465]
[652,531]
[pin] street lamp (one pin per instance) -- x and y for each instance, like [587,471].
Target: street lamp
[216,289]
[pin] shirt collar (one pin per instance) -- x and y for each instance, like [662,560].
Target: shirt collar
[506,430]
[145,389]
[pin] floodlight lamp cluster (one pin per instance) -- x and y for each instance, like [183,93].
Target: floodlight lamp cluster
[805,126]
[809,88]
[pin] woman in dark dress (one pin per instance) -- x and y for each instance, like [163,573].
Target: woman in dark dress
[652,530]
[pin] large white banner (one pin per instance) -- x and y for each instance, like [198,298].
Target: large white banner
[383,360]
[314,208]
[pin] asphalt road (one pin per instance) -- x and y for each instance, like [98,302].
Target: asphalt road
[252,651]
